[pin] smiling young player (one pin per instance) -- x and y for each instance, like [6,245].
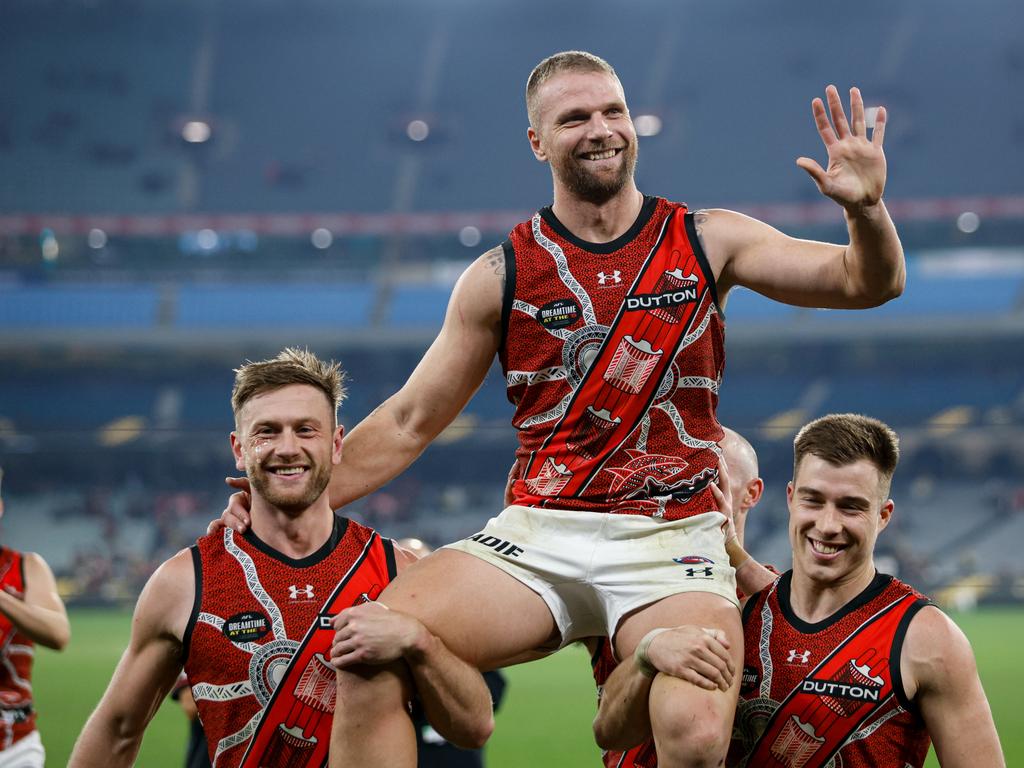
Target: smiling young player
[250,617]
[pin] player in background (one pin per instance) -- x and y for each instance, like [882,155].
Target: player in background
[843,664]
[31,612]
[250,617]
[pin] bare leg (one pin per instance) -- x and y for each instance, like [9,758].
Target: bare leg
[482,614]
[692,726]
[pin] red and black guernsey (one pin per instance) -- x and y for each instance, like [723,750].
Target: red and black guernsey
[613,355]
[641,756]
[17,714]
[256,610]
[829,693]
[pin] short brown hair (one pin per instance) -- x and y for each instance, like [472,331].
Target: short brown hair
[291,366]
[844,438]
[566,61]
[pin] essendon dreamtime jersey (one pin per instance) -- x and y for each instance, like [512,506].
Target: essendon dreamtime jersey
[259,638]
[640,756]
[17,715]
[613,354]
[828,694]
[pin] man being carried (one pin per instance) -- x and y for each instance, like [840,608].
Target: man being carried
[604,309]
[249,617]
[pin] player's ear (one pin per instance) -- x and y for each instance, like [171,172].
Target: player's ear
[535,144]
[236,449]
[755,488]
[885,514]
[336,448]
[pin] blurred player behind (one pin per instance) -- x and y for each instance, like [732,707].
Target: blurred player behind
[31,612]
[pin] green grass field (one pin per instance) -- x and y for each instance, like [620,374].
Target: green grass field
[545,720]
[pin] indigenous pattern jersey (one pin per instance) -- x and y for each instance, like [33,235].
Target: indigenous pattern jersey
[830,694]
[613,354]
[640,756]
[17,715]
[255,610]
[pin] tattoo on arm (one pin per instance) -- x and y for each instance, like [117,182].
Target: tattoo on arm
[495,260]
[699,219]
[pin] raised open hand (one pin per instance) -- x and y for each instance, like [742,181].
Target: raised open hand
[856,165]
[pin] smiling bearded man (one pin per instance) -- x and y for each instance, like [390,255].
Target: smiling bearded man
[605,310]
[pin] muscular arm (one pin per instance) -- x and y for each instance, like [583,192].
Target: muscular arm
[454,695]
[940,676]
[867,272]
[146,672]
[39,613]
[697,655]
[396,433]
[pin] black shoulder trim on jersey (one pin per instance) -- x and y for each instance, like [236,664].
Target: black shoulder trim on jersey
[21,571]
[197,568]
[340,529]
[702,259]
[509,292]
[752,601]
[595,657]
[897,650]
[869,593]
[646,212]
[389,556]
[337,533]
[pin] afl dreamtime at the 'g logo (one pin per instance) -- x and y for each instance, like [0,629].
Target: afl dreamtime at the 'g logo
[246,627]
[560,313]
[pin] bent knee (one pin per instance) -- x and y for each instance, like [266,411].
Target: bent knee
[694,741]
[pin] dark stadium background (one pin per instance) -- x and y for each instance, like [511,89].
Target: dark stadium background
[186,185]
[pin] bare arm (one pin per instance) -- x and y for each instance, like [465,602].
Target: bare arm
[695,654]
[39,613]
[454,695]
[396,433]
[751,576]
[146,672]
[941,678]
[869,271]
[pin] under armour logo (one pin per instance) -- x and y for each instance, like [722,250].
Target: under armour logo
[802,657]
[615,277]
[294,591]
[691,572]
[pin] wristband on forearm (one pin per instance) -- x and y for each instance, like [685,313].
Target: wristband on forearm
[640,655]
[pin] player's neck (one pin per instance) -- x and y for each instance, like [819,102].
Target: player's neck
[295,535]
[598,222]
[813,600]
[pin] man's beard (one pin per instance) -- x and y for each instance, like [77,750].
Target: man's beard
[592,187]
[292,503]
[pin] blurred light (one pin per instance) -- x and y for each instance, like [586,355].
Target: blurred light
[417,130]
[469,236]
[207,239]
[195,132]
[322,238]
[968,222]
[870,113]
[97,238]
[647,125]
[48,245]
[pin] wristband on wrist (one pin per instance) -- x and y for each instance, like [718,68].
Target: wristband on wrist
[640,655]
